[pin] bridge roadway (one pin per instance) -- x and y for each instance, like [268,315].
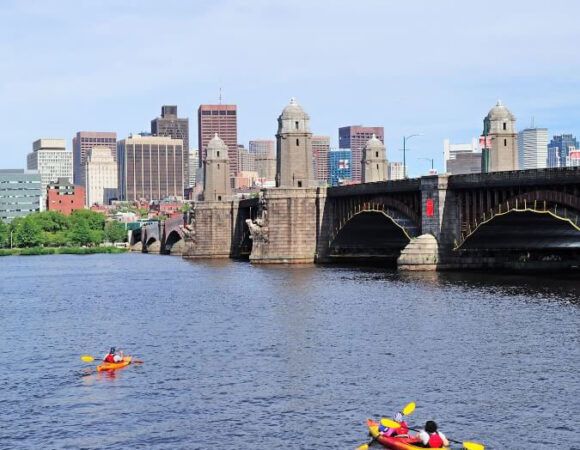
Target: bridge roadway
[520,219]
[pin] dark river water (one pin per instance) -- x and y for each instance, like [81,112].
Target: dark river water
[244,357]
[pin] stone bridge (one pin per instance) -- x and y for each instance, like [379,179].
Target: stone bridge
[165,236]
[519,219]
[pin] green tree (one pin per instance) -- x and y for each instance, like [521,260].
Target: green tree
[27,233]
[56,239]
[4,235]
[115,231]
[95,220]
[80,233]
[51,221]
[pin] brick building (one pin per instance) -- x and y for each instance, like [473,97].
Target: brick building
[65,197]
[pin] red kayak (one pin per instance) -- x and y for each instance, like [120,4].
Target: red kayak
[395,443]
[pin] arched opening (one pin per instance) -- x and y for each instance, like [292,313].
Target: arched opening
[370,236]
[172,239]
[536,238]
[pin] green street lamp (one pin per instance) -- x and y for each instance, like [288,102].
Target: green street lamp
[429,159]
[405,139]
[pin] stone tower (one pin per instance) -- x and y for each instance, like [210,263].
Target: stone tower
[216,180]
[294,143]
[374,161]
[499,128]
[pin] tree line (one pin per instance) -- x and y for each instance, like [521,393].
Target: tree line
[53,229]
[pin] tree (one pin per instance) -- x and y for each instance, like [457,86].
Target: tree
[4,235]
[95,220]
[115,231]
[50,221]
[27,233]
[80,233]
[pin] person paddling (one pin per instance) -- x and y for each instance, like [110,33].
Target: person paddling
[403,430]
[113,357]
[431,438]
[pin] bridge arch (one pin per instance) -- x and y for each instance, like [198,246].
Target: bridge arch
[376,229]
[541,219]
[174,243]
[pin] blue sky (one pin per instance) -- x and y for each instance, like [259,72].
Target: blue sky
[413,67]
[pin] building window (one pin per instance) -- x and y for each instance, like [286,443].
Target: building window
[218,166]
[505,142]
[377,167]
[296,123]
[297,142]
[300,184]
[377,154]
[219,197]
[505,126]
[218,153]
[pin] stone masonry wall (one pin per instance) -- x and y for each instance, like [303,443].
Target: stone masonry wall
[211,235]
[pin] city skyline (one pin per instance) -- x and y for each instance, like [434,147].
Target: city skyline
[445,101]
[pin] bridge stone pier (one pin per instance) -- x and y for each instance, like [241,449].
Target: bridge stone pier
[519,219]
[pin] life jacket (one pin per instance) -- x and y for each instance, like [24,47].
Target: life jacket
[435,441]
[110,358]
[403,429]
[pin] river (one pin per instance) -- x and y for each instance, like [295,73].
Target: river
[238,356]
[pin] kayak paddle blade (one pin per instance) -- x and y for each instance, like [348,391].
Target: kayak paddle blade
[409,409]
[87,358]
[363,447]
[473,446]
[390,423]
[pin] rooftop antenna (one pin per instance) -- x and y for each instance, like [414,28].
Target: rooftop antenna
[220,96]
[533,122]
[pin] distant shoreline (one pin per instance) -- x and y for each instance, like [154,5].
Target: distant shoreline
[60,251]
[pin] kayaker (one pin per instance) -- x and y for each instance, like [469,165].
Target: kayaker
[431,438]
[403,430]
[112,357]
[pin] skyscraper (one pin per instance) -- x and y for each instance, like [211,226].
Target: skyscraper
[533,148]
[451,152]
[262,147]
[85,141]
[499,128]
[396,171]
[170,125]
[246,160]
[320,149]
[355,137]
[100,176]
[223,120]
[559,149]
[150,168]
[52,160]
[193,166]
[340,166]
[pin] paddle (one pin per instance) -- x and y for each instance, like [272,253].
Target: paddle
[89,358]
[408,409]
[466,444]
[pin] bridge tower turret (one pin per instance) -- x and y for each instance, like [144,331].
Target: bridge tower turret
[500,150]
[294,143]
[374,161]
[216,180]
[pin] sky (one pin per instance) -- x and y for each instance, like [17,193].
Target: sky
[415,67]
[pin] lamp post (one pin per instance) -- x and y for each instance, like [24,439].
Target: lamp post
[429,159]
[405,139]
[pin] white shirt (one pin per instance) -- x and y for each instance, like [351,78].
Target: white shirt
[117,358]
[424,436]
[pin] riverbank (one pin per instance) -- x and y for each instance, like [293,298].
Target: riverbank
[60,251]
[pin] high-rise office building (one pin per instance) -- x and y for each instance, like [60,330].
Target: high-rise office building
[20,193]
[51,159]
[223,120]
[452,151]
[320,150]
[396,171]
[246,160]
[532,148]
[355,138]
[340,166]
[100,177]
[262,147]
[193,166]
[83,142]
[499,129]
[170,125]
[464,163]
[150,168]
[559,149]
[573,159]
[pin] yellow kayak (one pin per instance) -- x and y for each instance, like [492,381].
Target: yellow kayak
[114,366]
